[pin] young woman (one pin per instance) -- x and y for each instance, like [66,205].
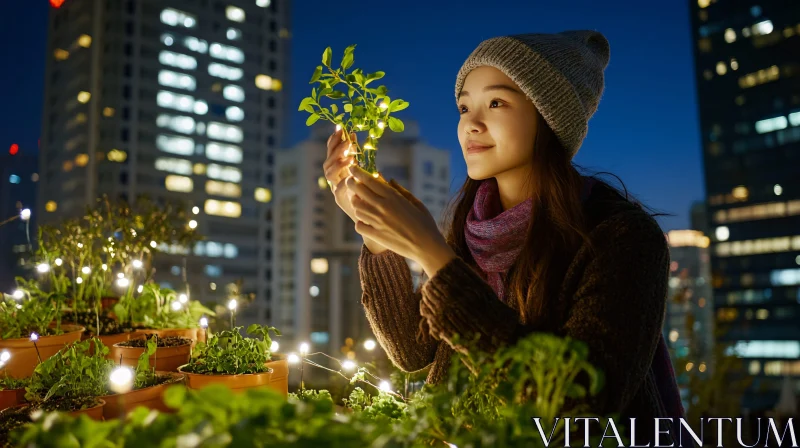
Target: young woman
[531,244]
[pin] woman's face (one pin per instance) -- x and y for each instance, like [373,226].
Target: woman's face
[495,113]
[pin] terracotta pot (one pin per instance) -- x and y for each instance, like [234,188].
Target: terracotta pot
[95,413]
[278,379]
[23,353]
[108,341]
[118,405]
[166,359]
[195,334]
[108,303]
[11,397]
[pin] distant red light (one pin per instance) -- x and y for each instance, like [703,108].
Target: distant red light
[14,149]
[56,3]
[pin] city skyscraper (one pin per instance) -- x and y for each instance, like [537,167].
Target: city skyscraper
[176,100]
[317,295]
[19,173]
[749,106]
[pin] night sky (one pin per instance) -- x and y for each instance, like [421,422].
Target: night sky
[645,131]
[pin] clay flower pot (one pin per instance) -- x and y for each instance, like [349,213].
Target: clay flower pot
[23,353]
[11,397]
[195,334]
[118,405]
[95,412]
[108,340]
[166,359]
[277,379]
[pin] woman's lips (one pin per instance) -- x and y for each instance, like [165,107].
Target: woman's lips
[475,149]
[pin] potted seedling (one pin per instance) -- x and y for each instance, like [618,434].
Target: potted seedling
[238,362]
[363,108]
[144,386]
[30,330]
[171,352]
[164,312]
[12,390]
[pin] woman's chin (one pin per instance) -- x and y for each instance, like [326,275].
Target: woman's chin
[479,174]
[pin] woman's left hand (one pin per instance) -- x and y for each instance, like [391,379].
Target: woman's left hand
[398,221]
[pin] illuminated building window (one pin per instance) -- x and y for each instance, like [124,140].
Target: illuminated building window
[195,44]
[234,113]
[676,238]
[233,34]
[60,54]
[771,124]
[174,17]
[108,111]
[765,349]
[51,206]
[740,192]
[226,52]
[233,93]
[175,145]
[319,265]
[224,153]
[215,249]
[734,64]
[177,80]
[67,166]
[322,183]
[184,103]
[727,314]
[115,155]
[81,159]
[225,71]
[85,41]
[177,166]
[722,68]
[226,173]
[794,118]
[759,246]
[263,3]
[235,14]
[167,39]
[225,132]
[212,270]
[730,35]
[173,59]
[178,183]
[722,233]
[760,77]
[199,169]
[177,123]
[760,211]
[263,194]
[762,28]
[265,82]
[226,189]
[228,209]
[703,3]
[785,277]
[84,97]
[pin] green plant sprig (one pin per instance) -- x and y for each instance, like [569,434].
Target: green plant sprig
[364,109]
[229,353]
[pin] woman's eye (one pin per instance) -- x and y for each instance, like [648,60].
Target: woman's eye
[494,101]
[461,109]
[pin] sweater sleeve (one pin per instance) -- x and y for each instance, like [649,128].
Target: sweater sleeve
[392,309]
[616,308]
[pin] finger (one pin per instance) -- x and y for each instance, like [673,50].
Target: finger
[336,170]
[406,194]
[366,230]
[364,191]
[365,211]
[334,140]
[381,188]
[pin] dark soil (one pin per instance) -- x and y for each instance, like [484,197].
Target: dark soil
[11,419]
[161,379]
[108,325]
[171,341]
[68,405]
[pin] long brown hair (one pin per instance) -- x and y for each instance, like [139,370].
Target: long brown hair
[555,232]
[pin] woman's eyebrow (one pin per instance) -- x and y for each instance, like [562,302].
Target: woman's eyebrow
[494,87]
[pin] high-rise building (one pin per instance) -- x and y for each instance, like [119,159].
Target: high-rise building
[176,100]
[18,180]
[689,321]
[317,292]
[748,87]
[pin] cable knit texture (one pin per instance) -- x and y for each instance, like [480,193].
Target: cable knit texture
[613,294]
[562,74]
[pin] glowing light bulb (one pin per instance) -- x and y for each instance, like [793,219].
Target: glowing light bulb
[381,124]
[176,306]
[59,262]
[43,267]
[383,105]
[86,270]
[121,379]
[80,245]
[369,344]
[304,348]
[338,127]
[137,264]
[18,294]
[195,210]
[274,346]
[293,358]
[25,214]
[140,289]
[348,365]
[153,244]
[5,355]
[203,322]
[79,280]
[233,304]
[123,282]
[193,224]
[104,266]
[120,275]
[34,337]
[183,298]
[385,386]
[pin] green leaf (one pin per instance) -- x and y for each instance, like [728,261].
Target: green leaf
[336,95]
[174,396]
[307,101]
[396,125]
[326,57]
[347,61]
[348,107]
[313,118]
[253,328]
[397,105]
[334,108]
[316,75]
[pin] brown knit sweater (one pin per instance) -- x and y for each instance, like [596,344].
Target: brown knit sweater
[613,297]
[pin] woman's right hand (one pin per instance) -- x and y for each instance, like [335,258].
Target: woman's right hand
[340,157]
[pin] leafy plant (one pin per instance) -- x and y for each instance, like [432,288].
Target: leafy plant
[145,375]
[10,383]
[32,313]
[382,405]
[229,353]
[154,309]
[311,395]
[363,108]
[72,373]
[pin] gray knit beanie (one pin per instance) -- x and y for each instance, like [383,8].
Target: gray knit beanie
[561,73]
